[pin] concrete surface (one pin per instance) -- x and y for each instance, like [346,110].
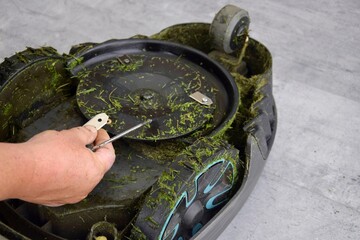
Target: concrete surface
[310,188]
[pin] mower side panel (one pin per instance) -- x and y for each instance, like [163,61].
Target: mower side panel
[261,130]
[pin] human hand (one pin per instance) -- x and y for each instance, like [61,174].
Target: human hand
[60,168]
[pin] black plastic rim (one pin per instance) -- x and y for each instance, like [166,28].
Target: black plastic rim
[226,102]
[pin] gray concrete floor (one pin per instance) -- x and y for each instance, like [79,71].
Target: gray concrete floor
[310,188]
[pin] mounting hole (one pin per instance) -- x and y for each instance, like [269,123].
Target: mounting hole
[103,231]
[99,120]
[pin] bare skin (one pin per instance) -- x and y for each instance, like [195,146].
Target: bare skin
[54,167]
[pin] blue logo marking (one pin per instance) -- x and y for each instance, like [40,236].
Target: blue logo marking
[209,205]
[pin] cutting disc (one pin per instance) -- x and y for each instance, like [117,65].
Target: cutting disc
[135,80]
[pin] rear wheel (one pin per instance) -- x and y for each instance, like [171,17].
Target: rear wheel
[31,82]
[229,28]
[190,192]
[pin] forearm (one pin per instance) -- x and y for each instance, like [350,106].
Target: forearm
[54,167]
[14,165]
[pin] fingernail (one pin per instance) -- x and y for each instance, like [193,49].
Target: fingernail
[91,128]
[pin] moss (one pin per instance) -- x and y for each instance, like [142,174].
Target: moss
[258,63]
[7,108]
[165,190]
[153,223]
[55,76]
[193,161]
[128,67]
[137,234]
[192,34]
[6,113]
[86,91]
[83,74]
[230,62]
[38,86]
[258,59]
[163,152]
[120,182]
[22,58]
[76,61]
[250,95]
[43,51]
[115,101]
[194,157]
[184,115]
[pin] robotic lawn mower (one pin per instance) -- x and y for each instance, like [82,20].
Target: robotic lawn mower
[204,92]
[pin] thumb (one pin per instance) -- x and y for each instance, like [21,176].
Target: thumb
[105,154]
[86,134]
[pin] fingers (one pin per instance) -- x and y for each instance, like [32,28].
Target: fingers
[101,137]
[105,154]
[62,201]
[52,204]
[89,134]
[86,134]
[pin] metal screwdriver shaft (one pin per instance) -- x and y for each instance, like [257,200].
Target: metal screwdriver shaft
[121,134]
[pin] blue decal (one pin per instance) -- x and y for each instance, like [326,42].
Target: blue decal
[196,228]
[176,228]
[210,204]
[211,186]
[188,202]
